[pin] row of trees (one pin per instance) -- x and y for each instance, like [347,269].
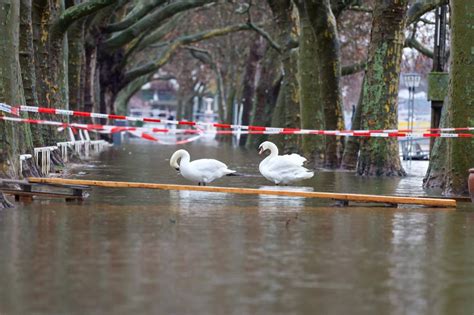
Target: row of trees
[280,59]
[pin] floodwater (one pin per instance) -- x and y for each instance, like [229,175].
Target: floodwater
[168,252]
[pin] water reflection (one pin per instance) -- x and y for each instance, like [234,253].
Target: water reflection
[408,254]
[268,202]
[178,252]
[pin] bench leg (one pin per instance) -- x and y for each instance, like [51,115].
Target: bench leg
[341,203]
[26,199]
[77,192]
[26,188]
[78,200]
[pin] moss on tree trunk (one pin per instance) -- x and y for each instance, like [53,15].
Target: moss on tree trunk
[76,63]
[15,138]
[311,109]
[328,54]
[50,61]
[287,110]
[379,156]
[28,72]
[452,158]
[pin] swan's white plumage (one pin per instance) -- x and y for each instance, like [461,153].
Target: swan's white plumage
[282,169]
[201,171]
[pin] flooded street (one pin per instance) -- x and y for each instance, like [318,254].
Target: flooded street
[178,252]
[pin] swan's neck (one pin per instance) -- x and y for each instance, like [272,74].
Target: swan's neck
[185,159]
[273,150]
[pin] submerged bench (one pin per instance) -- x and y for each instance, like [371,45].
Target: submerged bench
[26,191]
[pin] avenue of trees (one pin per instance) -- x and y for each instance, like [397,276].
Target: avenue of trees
[289,63]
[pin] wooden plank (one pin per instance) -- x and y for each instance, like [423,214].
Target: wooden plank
[434,202]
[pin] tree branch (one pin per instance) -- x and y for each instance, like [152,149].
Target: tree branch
[160,32]
[354,68]
[421,7]
[175,44]
[426,21]
[413,43]
[361,9]
[151,20]
[202,55]
[134,16]
[265,35]
[338,6]
[76,12]
[133,87]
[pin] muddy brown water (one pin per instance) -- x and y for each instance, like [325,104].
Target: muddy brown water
[168,252]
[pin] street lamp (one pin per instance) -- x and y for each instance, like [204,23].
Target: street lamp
[411,81]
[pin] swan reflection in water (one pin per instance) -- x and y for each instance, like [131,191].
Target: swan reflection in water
[201,201]
[268,202]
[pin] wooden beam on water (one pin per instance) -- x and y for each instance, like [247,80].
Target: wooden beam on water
[433,202]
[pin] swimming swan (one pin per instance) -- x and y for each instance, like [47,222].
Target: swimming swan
[282,169]
[202,171]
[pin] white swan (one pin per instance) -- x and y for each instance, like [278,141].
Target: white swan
[282,169]
[201,171]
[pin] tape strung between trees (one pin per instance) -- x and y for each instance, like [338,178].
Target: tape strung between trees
[143,132]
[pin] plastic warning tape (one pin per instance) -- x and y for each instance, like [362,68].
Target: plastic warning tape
[147,130]
[54,111]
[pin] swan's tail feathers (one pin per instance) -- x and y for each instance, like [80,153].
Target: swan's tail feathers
[306,175]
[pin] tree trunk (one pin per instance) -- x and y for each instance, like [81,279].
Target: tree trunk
[248,89]
[121,101]
[452,158]
[286,113]
[379,156]
[188,106]
[15,139]
[266,94]
[312,110]
[328,54]
[351,149]
[287,110]
[76,62]
[111,75]
[28,72]
[90,78]
[50,61]
[230,101]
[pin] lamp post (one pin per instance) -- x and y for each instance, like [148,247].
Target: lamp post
[411,81]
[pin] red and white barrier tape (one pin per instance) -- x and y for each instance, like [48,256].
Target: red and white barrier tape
[8,109]
[64,112]
[136,131]
[144,132]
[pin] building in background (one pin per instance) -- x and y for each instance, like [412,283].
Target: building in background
[155,99]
